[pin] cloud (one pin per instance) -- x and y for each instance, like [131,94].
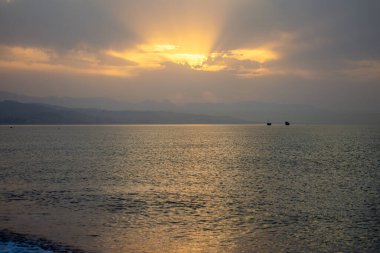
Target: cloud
[60,24]
[363,70]
[119,30]
[322,32]
[70,62]
[135,61]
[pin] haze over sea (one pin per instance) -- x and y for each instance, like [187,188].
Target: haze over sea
[193,188]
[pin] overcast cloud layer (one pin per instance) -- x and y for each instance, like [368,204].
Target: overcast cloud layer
[325,53]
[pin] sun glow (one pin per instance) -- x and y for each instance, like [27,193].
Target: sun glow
[192,60]
[259,55]
[155,56]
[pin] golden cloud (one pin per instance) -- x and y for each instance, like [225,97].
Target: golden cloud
[132,61]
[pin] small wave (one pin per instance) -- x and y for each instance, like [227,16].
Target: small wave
[14,247]
[11,242]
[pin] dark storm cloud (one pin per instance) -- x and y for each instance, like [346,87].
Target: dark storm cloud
[60,24]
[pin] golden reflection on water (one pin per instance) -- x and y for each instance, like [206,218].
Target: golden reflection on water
[186,190]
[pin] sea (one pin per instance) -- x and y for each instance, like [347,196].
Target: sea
[190,188]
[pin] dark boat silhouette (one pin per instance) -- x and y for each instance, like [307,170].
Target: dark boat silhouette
[287,123]
[269,124]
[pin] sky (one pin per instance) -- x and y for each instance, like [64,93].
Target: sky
[324,53]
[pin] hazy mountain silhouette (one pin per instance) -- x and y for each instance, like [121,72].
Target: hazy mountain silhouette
[249,111]
[12,112]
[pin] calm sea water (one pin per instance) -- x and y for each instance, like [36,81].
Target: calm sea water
[194,188]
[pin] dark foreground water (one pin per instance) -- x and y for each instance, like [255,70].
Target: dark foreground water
[193,188]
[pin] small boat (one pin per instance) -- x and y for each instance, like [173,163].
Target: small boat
[287,123]
[269,124]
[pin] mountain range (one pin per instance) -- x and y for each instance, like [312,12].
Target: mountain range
[233,112]
[12,112]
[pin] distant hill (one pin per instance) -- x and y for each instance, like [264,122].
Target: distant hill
[12,112]
[77,102]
